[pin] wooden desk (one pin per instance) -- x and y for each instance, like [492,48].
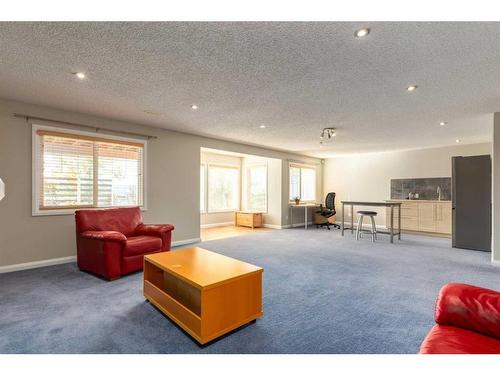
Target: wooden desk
[305,207]
[391,205]
[205,293]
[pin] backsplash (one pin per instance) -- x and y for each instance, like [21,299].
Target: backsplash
[426,188]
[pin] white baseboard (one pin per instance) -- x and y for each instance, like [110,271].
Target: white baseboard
[496,263]
[36,264]
[226,224]
[185,242]
[294,225]
[273,226]
[55,261]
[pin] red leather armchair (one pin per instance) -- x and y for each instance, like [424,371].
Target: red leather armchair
[468,322]
[112,242]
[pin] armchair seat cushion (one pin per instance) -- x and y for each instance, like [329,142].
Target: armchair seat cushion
[452,340]
[141,245]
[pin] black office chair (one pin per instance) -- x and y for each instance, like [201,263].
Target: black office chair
[329,211]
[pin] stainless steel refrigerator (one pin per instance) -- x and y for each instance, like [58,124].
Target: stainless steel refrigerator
[471,202]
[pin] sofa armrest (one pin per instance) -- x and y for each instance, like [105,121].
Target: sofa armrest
[469,307]
[107,235]
[156,230]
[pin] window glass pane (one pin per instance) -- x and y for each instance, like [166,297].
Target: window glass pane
[67,172]
[202,188]
[294,183]
[119,174]
[308,184]
[257,188]
[223,188]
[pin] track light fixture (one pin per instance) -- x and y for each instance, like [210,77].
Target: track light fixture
[327,134]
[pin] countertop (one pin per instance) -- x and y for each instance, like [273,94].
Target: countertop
[418,200]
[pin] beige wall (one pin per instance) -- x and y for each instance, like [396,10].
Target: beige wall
[367,177]
[173,187]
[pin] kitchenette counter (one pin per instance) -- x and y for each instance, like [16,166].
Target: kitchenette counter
[424,215]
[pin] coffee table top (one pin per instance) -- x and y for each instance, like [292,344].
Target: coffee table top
[200,267]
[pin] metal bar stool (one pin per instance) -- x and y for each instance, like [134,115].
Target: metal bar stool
[359,229]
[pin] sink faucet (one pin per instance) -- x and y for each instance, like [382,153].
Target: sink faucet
[439,192]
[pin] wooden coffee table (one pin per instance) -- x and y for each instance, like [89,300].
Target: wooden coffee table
[205,293]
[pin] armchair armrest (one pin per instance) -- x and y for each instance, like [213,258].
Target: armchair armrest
[469,307]
[107,235]
[156,230]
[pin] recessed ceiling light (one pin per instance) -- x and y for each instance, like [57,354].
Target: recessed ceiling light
[411,88]
[79,75]
[362,32]
[457,140]
[262,126]
[442,123]
[194,107]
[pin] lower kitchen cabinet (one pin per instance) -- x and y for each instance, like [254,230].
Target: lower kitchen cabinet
[423,216]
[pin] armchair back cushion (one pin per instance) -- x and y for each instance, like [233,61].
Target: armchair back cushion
[467,321]
[123,220]
[469,307]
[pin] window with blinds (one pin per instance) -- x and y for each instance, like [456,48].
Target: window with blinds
[302,183]
[78,171]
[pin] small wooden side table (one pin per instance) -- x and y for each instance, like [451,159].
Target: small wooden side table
[250,219]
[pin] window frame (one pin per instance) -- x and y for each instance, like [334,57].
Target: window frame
[207,184]
[36,173]
[248,185]
[302,166]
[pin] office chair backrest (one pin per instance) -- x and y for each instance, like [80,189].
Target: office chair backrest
[330,201]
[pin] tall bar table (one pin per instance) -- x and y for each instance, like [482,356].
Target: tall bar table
[391,232]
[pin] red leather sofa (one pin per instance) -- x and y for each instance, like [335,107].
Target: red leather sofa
[468,322]
[112,242]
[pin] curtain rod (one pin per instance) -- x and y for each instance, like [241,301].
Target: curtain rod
[95,128]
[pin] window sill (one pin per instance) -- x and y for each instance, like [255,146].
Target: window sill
[221,211]
[71,211]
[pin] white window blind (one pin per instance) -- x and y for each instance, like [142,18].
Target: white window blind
[257,188]
[302,183]
[77,171]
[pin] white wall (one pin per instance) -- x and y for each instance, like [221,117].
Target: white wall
[208,219]
[367,177]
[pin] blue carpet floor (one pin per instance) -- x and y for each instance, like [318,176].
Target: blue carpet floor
[323,293]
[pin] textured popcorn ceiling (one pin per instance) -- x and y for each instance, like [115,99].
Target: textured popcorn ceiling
[295,78]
